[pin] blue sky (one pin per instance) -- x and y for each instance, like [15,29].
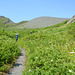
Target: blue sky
[21,10]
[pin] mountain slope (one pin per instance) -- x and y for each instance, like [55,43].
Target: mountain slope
[72,20]
[43,22]
[7,23]
[49,50]
[5,20]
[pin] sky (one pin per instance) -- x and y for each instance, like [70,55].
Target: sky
[25,10]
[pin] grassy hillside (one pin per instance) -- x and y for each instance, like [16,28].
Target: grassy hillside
[8,24]
[9,50]
[43,22]
[50,50]
[4,22]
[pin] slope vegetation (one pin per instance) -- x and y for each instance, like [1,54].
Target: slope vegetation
[50,50]
[4,21]
[9,50]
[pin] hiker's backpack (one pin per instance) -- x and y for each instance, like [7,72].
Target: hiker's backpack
[16,36]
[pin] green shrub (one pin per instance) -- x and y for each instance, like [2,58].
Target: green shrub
[9,50]
[48,51]
[71,29]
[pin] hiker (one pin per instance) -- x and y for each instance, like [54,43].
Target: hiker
[16,36]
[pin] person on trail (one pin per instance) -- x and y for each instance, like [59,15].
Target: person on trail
[16,36]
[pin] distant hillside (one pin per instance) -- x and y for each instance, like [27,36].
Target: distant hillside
[34,23]
[5,20]
[21,23]
[43,22]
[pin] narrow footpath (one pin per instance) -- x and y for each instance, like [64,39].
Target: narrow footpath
[19,64]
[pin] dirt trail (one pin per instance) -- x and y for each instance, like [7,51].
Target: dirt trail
[19,65]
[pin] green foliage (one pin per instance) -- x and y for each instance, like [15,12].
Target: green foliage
[1,25]
[4,68]
[48,51]
[9,50]
[71,29]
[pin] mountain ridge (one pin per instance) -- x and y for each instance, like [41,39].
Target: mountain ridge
[5,20]
[40,22]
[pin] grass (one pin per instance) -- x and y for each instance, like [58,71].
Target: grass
[9,50]
[48,50]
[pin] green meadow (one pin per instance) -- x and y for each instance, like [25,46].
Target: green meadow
[49,50]
[9,50]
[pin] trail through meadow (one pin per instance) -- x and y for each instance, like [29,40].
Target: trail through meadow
[19,64]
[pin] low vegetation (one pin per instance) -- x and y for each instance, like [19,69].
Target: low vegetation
[9,50]
[50,50]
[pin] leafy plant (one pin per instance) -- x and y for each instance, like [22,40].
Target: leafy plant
[9,50]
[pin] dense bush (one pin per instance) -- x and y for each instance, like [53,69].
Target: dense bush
[8,50]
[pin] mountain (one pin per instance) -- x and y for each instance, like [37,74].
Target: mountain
[72,20]
[43,22]
[21,23]
[34,23]
[5,20]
